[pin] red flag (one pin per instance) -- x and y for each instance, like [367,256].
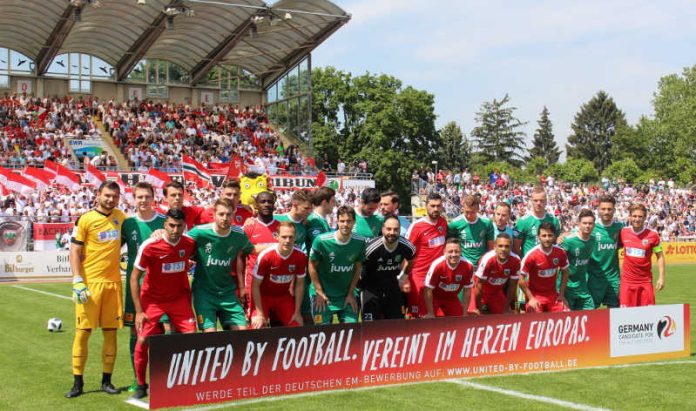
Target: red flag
[15,182]
[40,176]
[157,178]
[63,175]
[94,176]
[193,170]
[321,179]
[236,168]
[219,168]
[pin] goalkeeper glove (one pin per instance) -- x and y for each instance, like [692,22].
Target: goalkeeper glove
[80,291]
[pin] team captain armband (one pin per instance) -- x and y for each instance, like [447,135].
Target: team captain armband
[657,248]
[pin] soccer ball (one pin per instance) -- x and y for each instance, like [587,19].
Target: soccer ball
[54,324]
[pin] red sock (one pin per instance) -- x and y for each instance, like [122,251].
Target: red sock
[140,360]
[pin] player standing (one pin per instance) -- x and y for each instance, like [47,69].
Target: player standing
[448,276]
[539,273]
[501,219]
[603,269]
[368,223]
[174,197]
[527,227]
[165,288]
[96,273]
[496,278]
[301,206]
[475,233]
[640,243]
[389,203]
[428,236]
[335,263]
[232,191]
[578,247]
[136,229]
[276,270]
[220,246]
[385,260]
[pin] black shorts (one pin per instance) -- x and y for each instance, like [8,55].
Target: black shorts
[382,306]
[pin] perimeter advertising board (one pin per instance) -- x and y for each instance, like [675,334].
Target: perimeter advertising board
[227,366]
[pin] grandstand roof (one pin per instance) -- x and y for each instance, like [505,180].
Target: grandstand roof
[264,39]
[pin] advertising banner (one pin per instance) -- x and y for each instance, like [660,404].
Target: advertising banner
[30,264]
[14,235]
[88,147]
[191,369]
[51,236]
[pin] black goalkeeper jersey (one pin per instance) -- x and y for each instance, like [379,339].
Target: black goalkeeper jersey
[382,267]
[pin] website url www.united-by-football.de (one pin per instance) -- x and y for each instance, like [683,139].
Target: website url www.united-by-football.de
[517,367]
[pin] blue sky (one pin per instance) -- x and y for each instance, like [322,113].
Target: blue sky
[553,53]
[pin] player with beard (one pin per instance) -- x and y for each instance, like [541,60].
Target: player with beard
[603,269]
[496,278]
[386,257]
[95,252]
[389,203]
[232,191]
[448,276]
[428,236]
[368,222]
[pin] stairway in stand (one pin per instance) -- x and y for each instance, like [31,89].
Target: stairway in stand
[111,145]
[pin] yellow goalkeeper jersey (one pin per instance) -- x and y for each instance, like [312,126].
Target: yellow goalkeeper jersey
[100,234]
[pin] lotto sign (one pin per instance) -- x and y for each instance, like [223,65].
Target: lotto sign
[192,369]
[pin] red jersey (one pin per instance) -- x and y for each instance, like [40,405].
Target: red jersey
[241,214]
[277,272]
[429,239]
[638,251]
[447,282]
[193,215]
[259,233]
[166,266]
[541,269]
[494,275]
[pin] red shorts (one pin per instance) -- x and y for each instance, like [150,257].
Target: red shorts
[279,309]
[496,302]
[636,295]
[180,316]
[548,304]
[416,302]
[449,307]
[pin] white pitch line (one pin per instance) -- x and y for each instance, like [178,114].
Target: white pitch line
[518,394]
[42,292]
[138,403]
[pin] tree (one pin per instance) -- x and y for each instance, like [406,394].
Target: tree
[373,117]
[575,170]
[455,149]
[544,144]
[498,136]
[594,130]
[625,169]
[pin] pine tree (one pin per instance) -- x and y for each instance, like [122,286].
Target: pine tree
[497,137]
[544,144]
[594,129]
[455,150]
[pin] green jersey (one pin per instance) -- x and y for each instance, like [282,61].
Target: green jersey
[300,231]
[604,263]
[135,231]
[368,227]
[336,265]
[473,236]
[527,230]
[579,252]
[215,258]
[316,225]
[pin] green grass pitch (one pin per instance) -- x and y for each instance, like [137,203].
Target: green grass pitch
[35,370]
